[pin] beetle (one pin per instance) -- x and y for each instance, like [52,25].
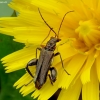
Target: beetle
[43,63]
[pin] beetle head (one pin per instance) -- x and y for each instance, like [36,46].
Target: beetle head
[51,44]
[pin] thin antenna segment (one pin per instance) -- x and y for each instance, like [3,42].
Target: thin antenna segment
[46,22]
[52,28]
[62,21]
[46,36]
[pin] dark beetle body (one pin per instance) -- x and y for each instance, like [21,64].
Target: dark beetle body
[43,64]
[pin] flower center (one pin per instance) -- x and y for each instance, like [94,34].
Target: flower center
[97,46]
[84,28]
[87,37]
[87,32]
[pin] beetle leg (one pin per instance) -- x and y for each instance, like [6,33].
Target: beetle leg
[36,51]
[56,54]
[31,63]
[28,83]
[52,75]
[50,79]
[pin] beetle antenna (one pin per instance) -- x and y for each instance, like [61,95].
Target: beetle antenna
[63,20]
[47,23]
[46,36]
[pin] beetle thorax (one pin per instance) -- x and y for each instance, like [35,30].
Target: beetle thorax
[51,44]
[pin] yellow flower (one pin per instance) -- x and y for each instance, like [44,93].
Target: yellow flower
[79,48]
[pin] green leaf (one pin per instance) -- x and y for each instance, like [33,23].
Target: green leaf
[7,91]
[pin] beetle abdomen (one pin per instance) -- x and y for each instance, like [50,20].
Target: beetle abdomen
[42,75]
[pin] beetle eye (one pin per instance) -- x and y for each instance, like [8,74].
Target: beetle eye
[51,43]
[58,40]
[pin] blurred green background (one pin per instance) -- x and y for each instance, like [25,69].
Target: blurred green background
[7,46]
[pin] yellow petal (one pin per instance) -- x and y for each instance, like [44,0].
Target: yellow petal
[19,59]
[85,76]
[73,68]
[72,93]
[98,67]
[92,4]
[90,90]
[25,85]
[46,91]
[66,51]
